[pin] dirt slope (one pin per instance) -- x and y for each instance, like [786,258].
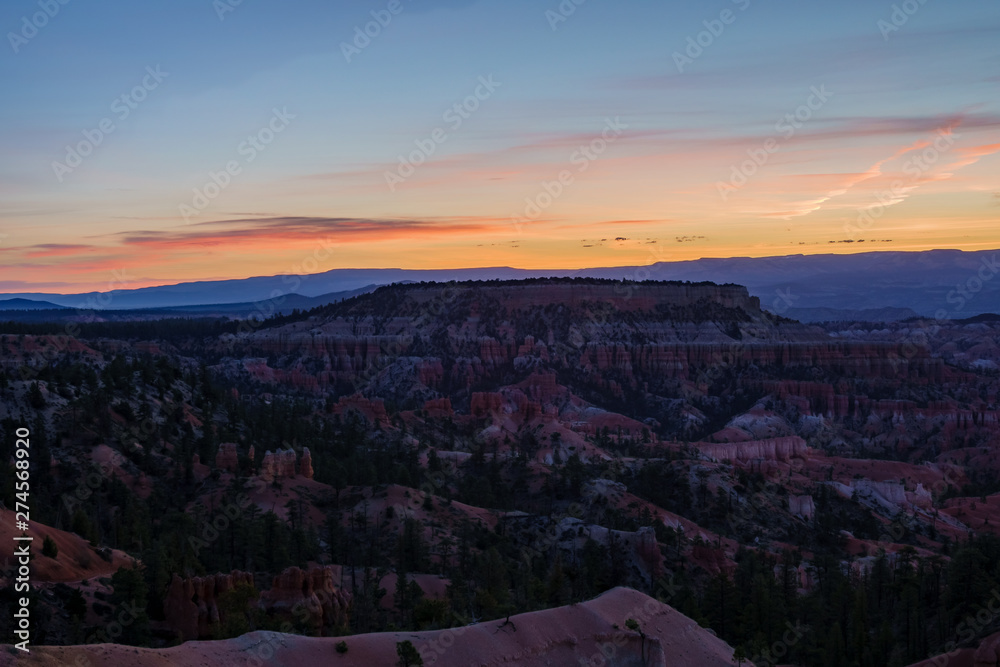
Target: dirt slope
[569,635]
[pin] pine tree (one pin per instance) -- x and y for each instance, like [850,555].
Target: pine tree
[236,616]
[35,398]
[834,651]
[408,654]
[556,587]
[49,547]
[130,596]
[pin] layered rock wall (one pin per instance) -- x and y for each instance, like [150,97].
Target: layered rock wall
[226,458]
[282,465]
[313,592]
[191,605]
[771,449]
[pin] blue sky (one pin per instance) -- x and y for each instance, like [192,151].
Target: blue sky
[325,173]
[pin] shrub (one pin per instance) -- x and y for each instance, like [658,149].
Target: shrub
[49,547]
[408,655]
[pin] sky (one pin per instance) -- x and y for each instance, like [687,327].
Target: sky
[157,142]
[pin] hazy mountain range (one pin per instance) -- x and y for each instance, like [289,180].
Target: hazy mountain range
[872,286]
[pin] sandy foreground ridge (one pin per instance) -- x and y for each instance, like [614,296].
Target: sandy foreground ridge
[579,634]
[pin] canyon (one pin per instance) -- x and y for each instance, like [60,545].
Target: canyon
[572,435]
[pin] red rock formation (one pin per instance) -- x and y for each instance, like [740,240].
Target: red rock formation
[286,463]
[483,403]
[614,423]
[493,352]
[147,347]
[226,458]
[180,610]
[305,464]
[920,497]
[430,372]
[810,397]
[278,465]
[849,359]
[190,606]
[542,387]
[712,559]
[268,467]
[313,593]
[372,410]
[282,465]
[439,407]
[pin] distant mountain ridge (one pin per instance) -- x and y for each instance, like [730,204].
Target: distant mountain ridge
[25,310]
[952,283]
[27,304]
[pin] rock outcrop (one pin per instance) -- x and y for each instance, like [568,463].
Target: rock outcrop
[439,407]
[226,458]
[278,465]
[309,594]
[305,464]
[772,449]
[891,492]
[485,403]
[372,410]
[649,551]
[191,605]
[802,506]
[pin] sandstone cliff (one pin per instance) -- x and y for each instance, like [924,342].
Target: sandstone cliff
[772,449]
